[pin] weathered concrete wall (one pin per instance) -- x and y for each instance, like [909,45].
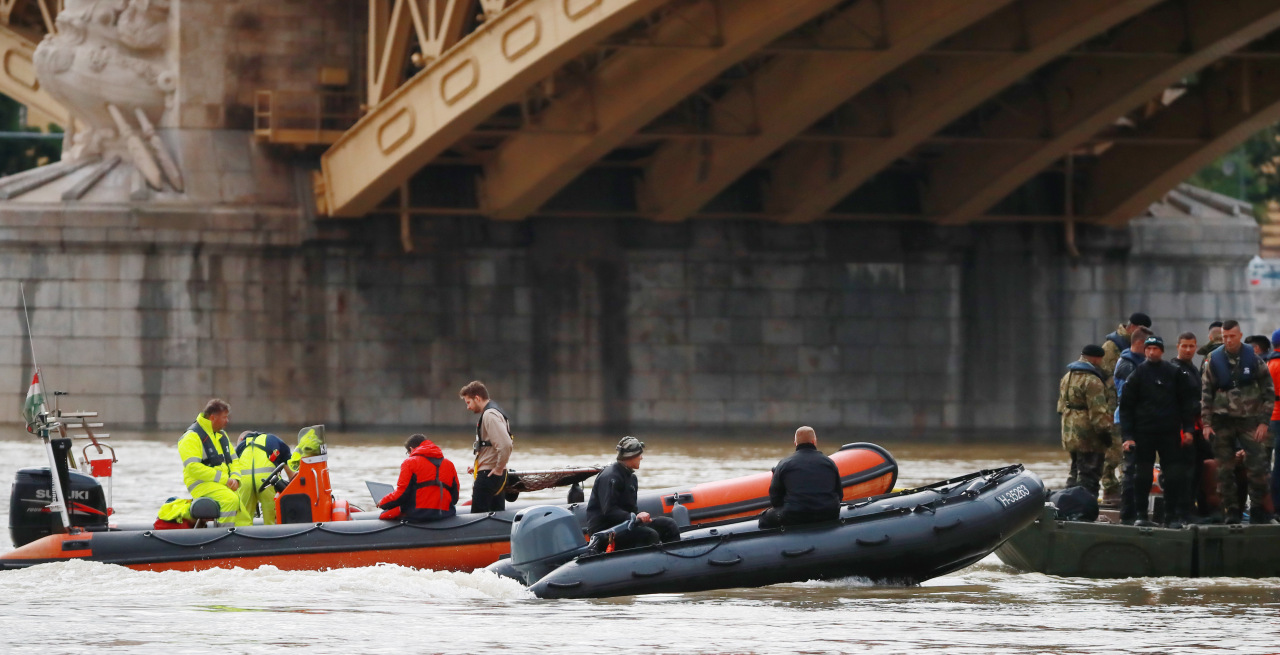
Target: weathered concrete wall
[586,324]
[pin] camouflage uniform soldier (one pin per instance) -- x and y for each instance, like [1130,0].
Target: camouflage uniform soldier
[1086,401]
[1112,346]
[1237,396]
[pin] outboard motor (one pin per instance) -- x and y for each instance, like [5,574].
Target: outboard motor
[29,516]
[543,538]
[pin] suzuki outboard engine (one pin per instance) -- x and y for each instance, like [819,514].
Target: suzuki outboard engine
[29,516]
[543,538]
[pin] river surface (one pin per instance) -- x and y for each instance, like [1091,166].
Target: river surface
[84,607]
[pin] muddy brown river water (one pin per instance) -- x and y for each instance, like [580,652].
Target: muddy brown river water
[987,608]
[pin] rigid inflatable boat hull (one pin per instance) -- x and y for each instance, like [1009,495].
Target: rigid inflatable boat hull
[462,543]
[904,538]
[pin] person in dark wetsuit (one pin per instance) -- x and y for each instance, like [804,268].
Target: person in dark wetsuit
[806,486]
[613,501]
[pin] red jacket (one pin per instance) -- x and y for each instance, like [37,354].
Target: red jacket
[427,489]
[1273,365]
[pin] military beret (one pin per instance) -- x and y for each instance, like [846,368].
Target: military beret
[1093,350]
[1138,318]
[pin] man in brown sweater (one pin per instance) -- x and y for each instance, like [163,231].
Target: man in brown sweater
[492,448]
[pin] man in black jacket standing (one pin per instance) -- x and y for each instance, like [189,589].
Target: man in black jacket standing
[1157,415]
[614,497]
[806,486]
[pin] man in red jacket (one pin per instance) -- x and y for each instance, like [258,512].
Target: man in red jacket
[428,486]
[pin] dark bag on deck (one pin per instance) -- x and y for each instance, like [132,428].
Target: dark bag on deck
[1075,504]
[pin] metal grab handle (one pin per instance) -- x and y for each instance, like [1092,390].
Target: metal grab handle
[648,574]
[725,562]
[797,553]
[872,542]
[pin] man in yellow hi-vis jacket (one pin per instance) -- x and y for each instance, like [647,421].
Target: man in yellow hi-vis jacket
[208,463]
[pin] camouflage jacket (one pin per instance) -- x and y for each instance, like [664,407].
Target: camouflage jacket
[1253,398]
[1111,352]
[1087,402]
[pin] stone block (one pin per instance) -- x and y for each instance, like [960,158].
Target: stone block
[746,387]
[820,413]
[704,303]
[747,359]
[670,412]
[708,330]
[781,413]
[709,275]
[819,331]
[703,386]
[855,414]
[658,302]
[743,412]
[818,359]
[747,304]
[656,274]
[708,413]
[780,359]
[811,303]
[783,332]
[781,387]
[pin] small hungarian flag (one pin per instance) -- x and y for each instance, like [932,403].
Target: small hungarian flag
[35,402]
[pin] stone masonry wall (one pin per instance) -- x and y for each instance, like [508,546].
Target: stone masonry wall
[594,324]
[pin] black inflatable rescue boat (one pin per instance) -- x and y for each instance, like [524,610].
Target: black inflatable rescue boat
[903,537]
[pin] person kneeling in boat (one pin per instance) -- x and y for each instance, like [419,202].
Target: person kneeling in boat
[614,498]
[310,444]
[806,486]
[428,486]
[208,467]
[258,454]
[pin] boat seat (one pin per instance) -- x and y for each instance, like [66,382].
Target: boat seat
[205,511]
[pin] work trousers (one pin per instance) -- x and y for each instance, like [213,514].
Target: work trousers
[661,529]
[1086,471]
[1230,435]
[1110,464]
[231,510]
[776,517]
[487,493]
[1139,468]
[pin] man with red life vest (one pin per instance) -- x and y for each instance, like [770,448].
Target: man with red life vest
[208,463]
[428,486]
[492,449]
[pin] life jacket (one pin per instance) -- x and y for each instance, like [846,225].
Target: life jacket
[213,458]
[417,503]
[1224,377]
[1085,367]
[481,443]
[1121,342]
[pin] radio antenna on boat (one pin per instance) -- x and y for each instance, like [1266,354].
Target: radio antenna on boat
[37,415]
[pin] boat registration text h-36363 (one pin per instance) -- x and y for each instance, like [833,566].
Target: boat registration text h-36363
[1013,495]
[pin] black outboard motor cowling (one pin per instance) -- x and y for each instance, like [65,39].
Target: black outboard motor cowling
[542,538]
[29,518]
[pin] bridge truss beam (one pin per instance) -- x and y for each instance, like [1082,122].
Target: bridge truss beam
[810,177]
[1083,96]
[1232,101]
[676,58]
[489,68]
[791,92]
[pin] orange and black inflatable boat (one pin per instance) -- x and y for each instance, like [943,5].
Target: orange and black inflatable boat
[330,536]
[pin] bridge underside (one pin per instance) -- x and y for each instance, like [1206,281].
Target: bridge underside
[949,111]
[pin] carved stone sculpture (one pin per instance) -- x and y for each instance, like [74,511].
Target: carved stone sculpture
[108,64]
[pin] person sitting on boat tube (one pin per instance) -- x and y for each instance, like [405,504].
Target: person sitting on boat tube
[613,501]
[806,486]
[428,486]
[208,463]
[258,455]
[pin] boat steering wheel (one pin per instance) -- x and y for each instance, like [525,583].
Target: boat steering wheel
[273,477]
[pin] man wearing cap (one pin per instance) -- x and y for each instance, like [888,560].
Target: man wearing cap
[806,486]
[1086,401]
[1238,398]
[1120,369]
[614,497]
[1157,414]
